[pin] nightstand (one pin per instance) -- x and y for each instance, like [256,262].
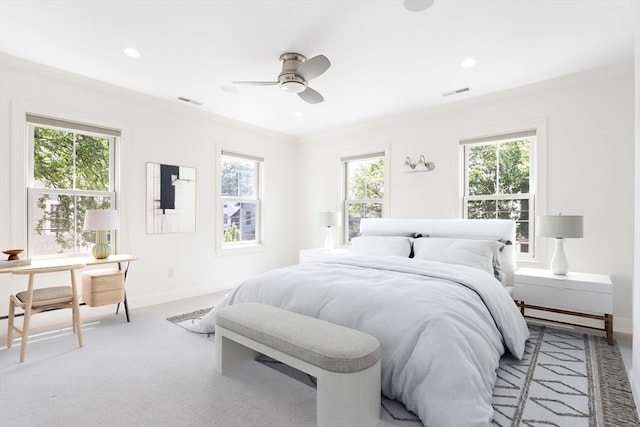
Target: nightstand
[318,254]
[576,294]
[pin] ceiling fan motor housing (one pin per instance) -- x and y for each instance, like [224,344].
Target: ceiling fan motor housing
[288,80]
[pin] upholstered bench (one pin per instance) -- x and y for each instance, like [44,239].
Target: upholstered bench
[345,362]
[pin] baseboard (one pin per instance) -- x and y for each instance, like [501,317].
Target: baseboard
[623,325]
[62,318]
[163,297]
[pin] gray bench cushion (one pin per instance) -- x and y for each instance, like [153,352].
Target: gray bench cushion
[326,345]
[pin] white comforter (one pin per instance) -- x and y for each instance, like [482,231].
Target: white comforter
[442,327]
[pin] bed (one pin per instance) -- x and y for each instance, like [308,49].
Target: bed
[436,295]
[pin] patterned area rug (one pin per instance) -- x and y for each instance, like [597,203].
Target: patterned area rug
[190,317]
[566,379]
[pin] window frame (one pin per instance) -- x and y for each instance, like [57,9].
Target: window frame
[256,245]
[537,185]
[54,121]
[373,153]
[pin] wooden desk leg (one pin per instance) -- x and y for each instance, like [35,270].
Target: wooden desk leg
[77,323]
[608,325]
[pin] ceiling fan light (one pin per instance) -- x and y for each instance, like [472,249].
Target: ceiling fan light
[293,87]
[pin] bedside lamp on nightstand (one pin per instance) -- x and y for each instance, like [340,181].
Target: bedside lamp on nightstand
[329,219]
[560,227]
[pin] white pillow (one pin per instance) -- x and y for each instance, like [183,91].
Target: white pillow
[480,254]
[381,245]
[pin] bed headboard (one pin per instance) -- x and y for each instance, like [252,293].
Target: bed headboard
[489,229]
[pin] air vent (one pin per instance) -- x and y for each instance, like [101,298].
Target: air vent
[455,92]
[190,101]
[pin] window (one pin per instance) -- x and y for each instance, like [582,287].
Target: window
[72,169]
[499,183]
[241,198]
[363,190]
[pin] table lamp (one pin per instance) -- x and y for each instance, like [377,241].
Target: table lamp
[101,221]
[329,219]
[560,227]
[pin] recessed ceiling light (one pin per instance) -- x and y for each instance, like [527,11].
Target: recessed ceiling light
[131,52]
[298,114]
[468,63]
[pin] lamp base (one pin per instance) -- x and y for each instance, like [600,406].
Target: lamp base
[328,240]
[101,249]
[559,263]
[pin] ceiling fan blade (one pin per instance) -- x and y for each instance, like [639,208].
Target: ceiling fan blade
[311,96]
[417,5]
[255,83]
[312,68]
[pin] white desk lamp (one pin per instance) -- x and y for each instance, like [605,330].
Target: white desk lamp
[560,227]
[329,219]
[101,221]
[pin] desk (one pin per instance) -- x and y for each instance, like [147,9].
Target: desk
[123,261]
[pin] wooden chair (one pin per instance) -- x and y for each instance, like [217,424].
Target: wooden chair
[37,300]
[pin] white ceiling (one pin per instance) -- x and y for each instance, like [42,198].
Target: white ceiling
[385,59]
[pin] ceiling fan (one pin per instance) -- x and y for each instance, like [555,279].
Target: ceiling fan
[295,75]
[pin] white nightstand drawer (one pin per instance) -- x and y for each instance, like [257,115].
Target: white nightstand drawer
[564,298]
[579,281]
[576,291]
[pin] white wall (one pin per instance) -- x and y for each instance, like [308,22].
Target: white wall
[153,131]
[590,166]
[590,145]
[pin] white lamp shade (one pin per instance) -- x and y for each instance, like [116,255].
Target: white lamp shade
[329,219]
[560,226]
[106,219]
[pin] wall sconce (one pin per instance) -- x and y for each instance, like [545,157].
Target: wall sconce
[420,166]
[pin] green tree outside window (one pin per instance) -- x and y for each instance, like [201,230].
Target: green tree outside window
[70,171]
[498,184]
